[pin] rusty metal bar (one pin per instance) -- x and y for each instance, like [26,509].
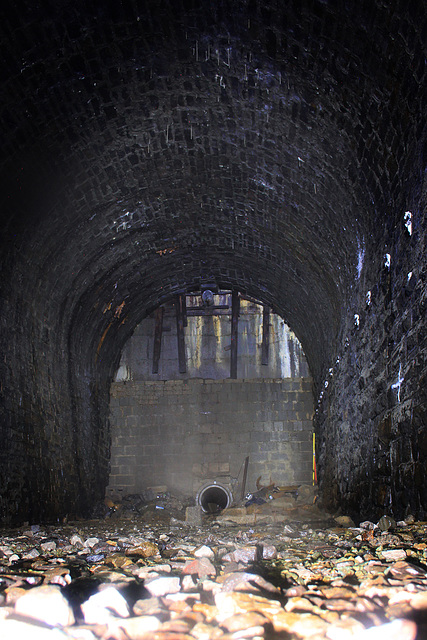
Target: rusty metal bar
[245,475]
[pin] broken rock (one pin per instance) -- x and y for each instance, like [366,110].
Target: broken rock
[193,515]
[163,585]
[100,607]
[393,554]
[144,550]
[201,567]
[46,604]
[344,521]
[20,630]
[204,552]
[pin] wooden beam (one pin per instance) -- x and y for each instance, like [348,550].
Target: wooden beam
[204,309]
[180,333]
[184,309]
[235,308]
[265,334]
[208,312]
[158,330]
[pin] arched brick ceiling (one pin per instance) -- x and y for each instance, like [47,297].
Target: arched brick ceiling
[150,147]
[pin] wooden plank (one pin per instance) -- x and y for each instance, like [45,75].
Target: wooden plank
[180,334]
[235,307]
[158,330]
[208,312]
[265,335]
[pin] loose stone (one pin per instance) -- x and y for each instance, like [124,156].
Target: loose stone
[46,604]
[304,624]
[230,604]
[386,522]
[202,567]
[19,630]
[242,621]
[163,585]
[393,554]
[332,584]
[204,552]
[150,607]
[344,521]
[31,555]
[76,540]
[134,628]
[100,607]
[238,580]
[203,631]
[396,630]
[91,542]
[144,550]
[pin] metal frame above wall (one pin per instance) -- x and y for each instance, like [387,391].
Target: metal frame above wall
[182,311]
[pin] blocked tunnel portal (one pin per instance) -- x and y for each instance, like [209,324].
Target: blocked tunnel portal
[151,150]
[200,390]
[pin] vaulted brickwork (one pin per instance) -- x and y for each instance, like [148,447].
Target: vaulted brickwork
[152,147]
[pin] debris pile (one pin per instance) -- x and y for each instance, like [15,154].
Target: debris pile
[157,502]
[129,579]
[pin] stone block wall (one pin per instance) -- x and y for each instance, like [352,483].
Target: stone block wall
[183,433]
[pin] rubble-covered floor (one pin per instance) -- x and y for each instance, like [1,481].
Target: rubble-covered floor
[160,578]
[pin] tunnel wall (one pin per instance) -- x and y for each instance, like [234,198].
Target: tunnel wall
[54,450]
[371,417]
[35,442]
[152,147]
[181,433]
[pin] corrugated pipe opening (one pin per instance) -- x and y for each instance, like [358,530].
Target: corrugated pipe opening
[213,498]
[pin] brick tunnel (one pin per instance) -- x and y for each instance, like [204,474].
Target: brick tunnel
[153,149]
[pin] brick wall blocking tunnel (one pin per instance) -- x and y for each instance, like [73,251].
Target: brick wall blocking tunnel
[182,428]
[151,149]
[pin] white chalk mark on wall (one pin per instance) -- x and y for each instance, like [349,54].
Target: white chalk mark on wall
[398,384]
[408,222]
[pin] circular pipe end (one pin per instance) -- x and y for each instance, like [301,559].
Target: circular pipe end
[213,498]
